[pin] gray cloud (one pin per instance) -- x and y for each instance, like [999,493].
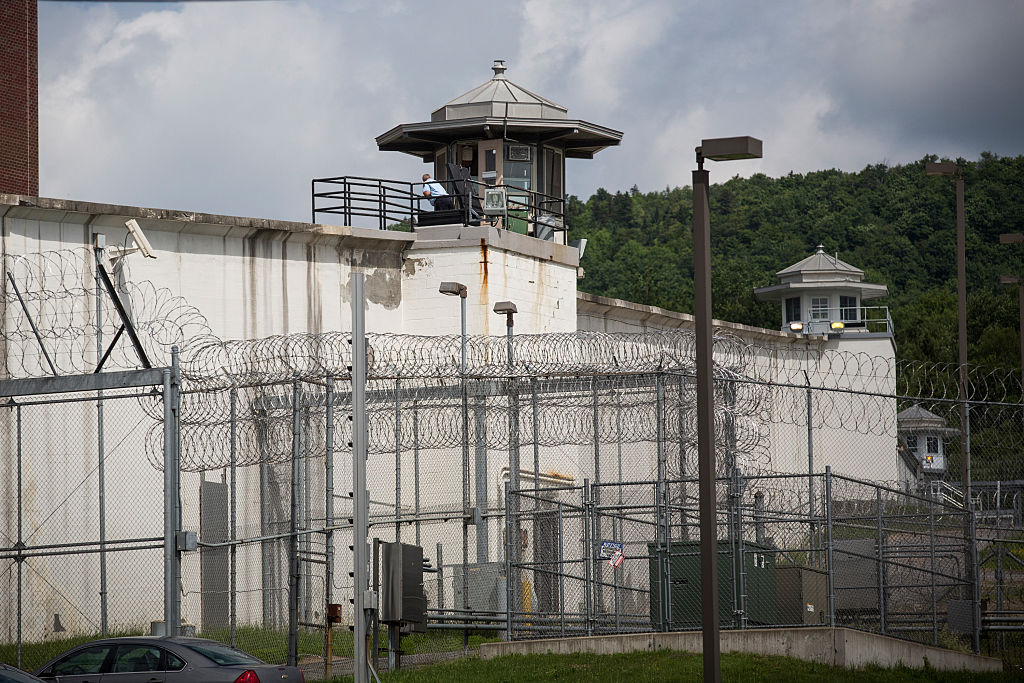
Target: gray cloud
[233,107]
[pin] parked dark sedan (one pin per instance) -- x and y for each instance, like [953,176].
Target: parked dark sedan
[10,674]
[162,660]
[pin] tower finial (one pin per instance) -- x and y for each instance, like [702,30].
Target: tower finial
[821,249]
[499,68]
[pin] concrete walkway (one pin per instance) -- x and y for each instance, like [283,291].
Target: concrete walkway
[840,647]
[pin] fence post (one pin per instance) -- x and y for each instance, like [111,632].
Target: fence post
[172,588]
[21,542]
[233,616]
[561,568]
[398,460]
[329,515]
[828,548]
[293,538]
[100,446]
[810,448]
[881,560]
[587,552]
[509,596]
[741,575]
[360,502]
[483,549]
[931,546]
[976,586]
[416,465]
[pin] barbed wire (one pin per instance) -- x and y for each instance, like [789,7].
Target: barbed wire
[759,383]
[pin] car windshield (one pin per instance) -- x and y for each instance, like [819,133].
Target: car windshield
[222,654]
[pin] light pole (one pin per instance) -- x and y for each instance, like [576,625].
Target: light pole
[459,289]
[507,309]
[948,168]
[717,149]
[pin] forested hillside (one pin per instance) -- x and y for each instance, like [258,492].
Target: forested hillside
[895,223]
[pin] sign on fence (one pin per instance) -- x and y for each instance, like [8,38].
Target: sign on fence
[612,551]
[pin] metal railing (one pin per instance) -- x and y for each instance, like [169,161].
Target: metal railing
[874,319]
[384,204]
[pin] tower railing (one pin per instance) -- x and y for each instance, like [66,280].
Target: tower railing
[382,204]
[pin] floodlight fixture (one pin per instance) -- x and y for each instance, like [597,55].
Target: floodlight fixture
[1009,280]
[505,308]
[837,325]
[796,326]
[729,149]
[140,238]
[453,289]
[940,168]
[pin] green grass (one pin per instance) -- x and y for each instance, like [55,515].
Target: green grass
[665,665]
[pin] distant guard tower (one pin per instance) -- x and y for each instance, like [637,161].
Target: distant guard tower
[823,295]
[497,136]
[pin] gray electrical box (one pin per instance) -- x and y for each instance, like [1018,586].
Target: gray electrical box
[402,598]
[486,583]
[801,595]
[855,574]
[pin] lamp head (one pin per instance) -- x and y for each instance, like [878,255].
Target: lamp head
[940,168]
[453,289]
[1009,280]
[729,149]
[506,308]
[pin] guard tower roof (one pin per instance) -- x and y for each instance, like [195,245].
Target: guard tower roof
[500,109]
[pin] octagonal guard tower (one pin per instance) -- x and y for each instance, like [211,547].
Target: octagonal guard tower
[500,135]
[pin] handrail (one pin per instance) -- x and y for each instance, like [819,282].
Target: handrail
[866,317]
[398,204]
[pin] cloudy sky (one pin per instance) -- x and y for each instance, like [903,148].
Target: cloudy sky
[232,107]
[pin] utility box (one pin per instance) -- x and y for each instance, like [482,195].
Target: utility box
[680,569]
[801,595]
[486,584]
[855,574]
[402,598]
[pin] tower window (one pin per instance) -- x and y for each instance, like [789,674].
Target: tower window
[933,444]
[819,308]
[847,308]
[792,309]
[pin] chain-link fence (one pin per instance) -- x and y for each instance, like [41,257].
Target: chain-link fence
[82,536]
[621,557]
[595,435]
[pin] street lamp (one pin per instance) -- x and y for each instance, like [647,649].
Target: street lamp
[508,309]
[717,149]
[458,289]
[948,168]
[513,548]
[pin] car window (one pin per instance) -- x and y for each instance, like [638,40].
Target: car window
[174,662]
[87,661]
[12,676]
[222,654]
[137,659]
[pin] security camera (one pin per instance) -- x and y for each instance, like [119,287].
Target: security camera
[140,238]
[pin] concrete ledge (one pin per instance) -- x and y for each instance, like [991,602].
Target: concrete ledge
[839,647]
